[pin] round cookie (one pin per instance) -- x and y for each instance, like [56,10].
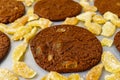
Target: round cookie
[4,45]
[57,10]
[117,40]
[66,48]
[10,10]
[105,5]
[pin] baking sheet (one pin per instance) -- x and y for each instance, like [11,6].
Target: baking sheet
[29,60]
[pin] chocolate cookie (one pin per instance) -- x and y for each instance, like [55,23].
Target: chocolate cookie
[57,10]
[105,5]
[66,48]
[4,45]
[117,40]
[11,10]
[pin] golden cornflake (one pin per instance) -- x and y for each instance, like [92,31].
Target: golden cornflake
[74,77]
[116,22]
[21,69]
[110,16]
[87,7]
[3,27]
[29,2]
[110,62]
[19,22]
[95,28]
[30,35]
[7,75]
[86,17]
[108,29]
[98,19]
[54,76]
[83,0]
[19,34]
[113,18]
[44,23]
[115,76]
[31,15]
[95,72]
[10,31]
[107,42]
[34,23]
[71,21]
[19,52]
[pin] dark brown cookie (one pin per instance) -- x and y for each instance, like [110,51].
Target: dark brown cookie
[4,45]
[105,5]
[11,10]
[117,40]
[66,48]
[57,10]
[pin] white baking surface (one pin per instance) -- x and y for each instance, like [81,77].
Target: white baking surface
[29,60]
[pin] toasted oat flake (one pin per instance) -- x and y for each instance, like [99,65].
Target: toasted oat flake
[50,57]
[61,30]
[70,64]
[38,50]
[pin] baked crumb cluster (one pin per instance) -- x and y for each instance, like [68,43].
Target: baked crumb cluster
[26,27]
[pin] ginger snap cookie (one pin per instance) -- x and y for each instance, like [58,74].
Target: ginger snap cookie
[105,5]
[57,10]
[117,40]
[4,45]
[10,10]
[66,48]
